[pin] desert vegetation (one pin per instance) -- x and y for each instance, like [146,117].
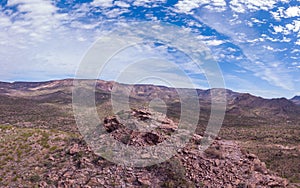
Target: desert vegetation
[41,145]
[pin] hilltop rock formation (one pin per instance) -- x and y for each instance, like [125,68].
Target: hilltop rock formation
[140,127]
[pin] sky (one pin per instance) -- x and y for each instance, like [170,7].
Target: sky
[256,44]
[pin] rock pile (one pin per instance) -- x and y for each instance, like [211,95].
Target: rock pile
[222,165]
[140,127]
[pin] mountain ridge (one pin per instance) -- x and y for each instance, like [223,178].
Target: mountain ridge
[296,99]
[240,104]
[69,81]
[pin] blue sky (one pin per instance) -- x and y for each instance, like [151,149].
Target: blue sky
[256,43]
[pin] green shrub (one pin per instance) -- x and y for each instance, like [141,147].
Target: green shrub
[35,178]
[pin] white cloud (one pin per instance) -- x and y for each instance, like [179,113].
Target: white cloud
[241,6]
[278,14]
[295,50]
[236,6]
[185,6]
[279,29]
[192,68]
[292,12]
[257,56]
[231,49]
[115,12]
[39,43]
[288,29]
[217,5]
[270,48]
[255,20]
[147,3]
[34,21]
[214,42]
[121,4]
[4,20]
[102,3]
[52,42]
[295,26]
[285,39]
[276,75]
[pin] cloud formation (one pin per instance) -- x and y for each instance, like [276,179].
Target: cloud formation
[256,41]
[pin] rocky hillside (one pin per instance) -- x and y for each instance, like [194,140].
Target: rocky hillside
[246,104]
[49,158]
[296,100]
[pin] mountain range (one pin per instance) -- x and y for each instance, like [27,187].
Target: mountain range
[238,104]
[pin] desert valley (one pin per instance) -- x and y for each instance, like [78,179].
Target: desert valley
[257,146]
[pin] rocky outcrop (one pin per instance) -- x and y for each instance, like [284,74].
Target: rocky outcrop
[139,127]
[221,165]
[224,165]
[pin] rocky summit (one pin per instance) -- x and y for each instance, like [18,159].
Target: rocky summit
[140,127]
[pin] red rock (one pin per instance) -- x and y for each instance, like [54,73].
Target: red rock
[144,181]
[74,149]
